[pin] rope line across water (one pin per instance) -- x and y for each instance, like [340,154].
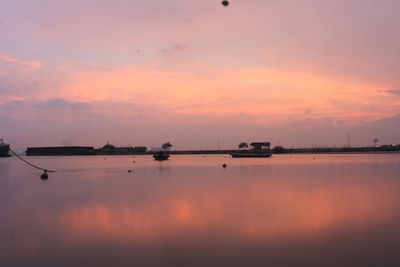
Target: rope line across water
[30,164]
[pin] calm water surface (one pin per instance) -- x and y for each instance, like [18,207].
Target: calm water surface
[289,210]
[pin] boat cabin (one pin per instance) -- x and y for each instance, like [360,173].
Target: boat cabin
[260,145]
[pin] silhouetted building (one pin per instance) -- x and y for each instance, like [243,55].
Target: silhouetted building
[139,149]
[112,150]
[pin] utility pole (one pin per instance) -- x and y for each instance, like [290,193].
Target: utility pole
[348,140]
[376,142]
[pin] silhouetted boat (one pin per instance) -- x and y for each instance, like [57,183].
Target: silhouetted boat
[259,150]
[160,156]
[248,154]
[4,149]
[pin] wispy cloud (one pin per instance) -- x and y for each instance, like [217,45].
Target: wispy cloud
[32,65]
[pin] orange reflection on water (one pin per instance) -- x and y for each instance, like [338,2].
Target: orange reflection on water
[256,211]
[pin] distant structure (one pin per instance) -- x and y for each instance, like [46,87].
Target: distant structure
[166,147]
[260,145]
[139,149]
[376,142]
[4,149]
[109,149]
[243,145]
[258,150]
[60,151]
[348,140]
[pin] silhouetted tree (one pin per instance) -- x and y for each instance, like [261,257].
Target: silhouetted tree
[243,145]
[376,141]
[166,145]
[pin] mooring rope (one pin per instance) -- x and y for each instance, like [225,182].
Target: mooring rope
[30,164]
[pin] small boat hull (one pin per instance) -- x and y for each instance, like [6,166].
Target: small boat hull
[251,155]
[161,156]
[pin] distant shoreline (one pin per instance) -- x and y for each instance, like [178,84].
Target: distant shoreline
[86,151]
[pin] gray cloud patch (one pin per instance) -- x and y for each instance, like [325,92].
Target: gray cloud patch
[393,92]
[176,47]
[12,105]
[59,103]
[55,103]
[180,47]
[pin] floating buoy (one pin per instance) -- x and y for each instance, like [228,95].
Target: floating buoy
[129,171]
[44,176]
[225,3]
[224,165]
[134,161]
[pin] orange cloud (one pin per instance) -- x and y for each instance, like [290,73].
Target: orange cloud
[278,95]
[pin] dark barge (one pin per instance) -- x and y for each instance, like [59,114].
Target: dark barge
[61,151]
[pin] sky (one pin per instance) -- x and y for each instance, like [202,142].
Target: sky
[198,74]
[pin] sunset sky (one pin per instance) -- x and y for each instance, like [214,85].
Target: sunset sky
[198,74]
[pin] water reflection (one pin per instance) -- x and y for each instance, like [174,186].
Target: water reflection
[194,213]
[251,212]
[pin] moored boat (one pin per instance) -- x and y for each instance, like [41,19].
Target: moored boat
[160,156]
[258,150]
[250,155]
[4,149]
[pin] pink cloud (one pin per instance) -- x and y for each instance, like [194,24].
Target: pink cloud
[31,65]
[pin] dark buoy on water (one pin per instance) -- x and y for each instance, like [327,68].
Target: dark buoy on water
[129,171]
[224,165]
[44,176]
[225,3]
